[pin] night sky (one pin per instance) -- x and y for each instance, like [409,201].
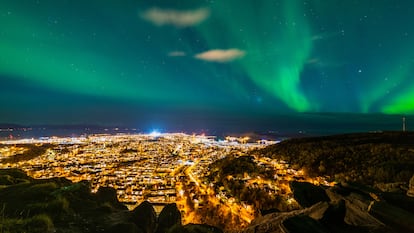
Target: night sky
[203,62]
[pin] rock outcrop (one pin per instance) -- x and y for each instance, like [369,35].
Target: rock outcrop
[307,194]
[195,228]
[348,208]
[169,217]
[303,223]
[144,217]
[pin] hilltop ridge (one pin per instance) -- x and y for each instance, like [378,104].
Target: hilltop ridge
[367,158]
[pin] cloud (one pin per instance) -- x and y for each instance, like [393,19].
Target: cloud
[219,55]
[313,61]
[317,37]
[327,35]
[176,54]
[324,64]
[161,17]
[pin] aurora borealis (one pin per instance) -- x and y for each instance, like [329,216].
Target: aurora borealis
[113,61]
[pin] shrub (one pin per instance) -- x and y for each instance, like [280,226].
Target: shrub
[39,223]
[39,191]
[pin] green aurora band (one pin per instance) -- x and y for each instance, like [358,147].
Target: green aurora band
[73,59]
[276,53]
[109,52]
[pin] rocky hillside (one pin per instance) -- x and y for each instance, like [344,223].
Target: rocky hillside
[368,158]
[58,205]
[374,191]
[342,208]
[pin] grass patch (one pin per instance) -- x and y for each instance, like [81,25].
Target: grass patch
[37,224]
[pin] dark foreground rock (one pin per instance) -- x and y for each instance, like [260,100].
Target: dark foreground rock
[303,223]
[144,217]
[349,208]
[58,205]
[307,194]
[169,217]
[195,228]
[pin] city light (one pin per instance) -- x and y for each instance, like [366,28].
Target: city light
[155,133]
[173,169]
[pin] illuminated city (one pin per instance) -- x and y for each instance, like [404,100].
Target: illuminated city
[161,168]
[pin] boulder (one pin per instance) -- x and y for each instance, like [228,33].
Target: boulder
[307,194]
[392,216]
[144,217]
[333,219]
[108,195]
[400,200]
[273,222]
[169,217]
[335,214]
[124,228]
[357,204]
[195,228]
[352,208]
[302,224]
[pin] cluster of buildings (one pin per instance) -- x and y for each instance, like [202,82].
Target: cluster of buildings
[160,168]
[140,166]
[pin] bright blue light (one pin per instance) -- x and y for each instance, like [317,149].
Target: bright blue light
[155,133]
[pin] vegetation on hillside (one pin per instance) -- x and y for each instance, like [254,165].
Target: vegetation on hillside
[52,205]
[231,175]
[367,158]
[58,205]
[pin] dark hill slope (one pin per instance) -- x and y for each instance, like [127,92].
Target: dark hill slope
[367,158]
